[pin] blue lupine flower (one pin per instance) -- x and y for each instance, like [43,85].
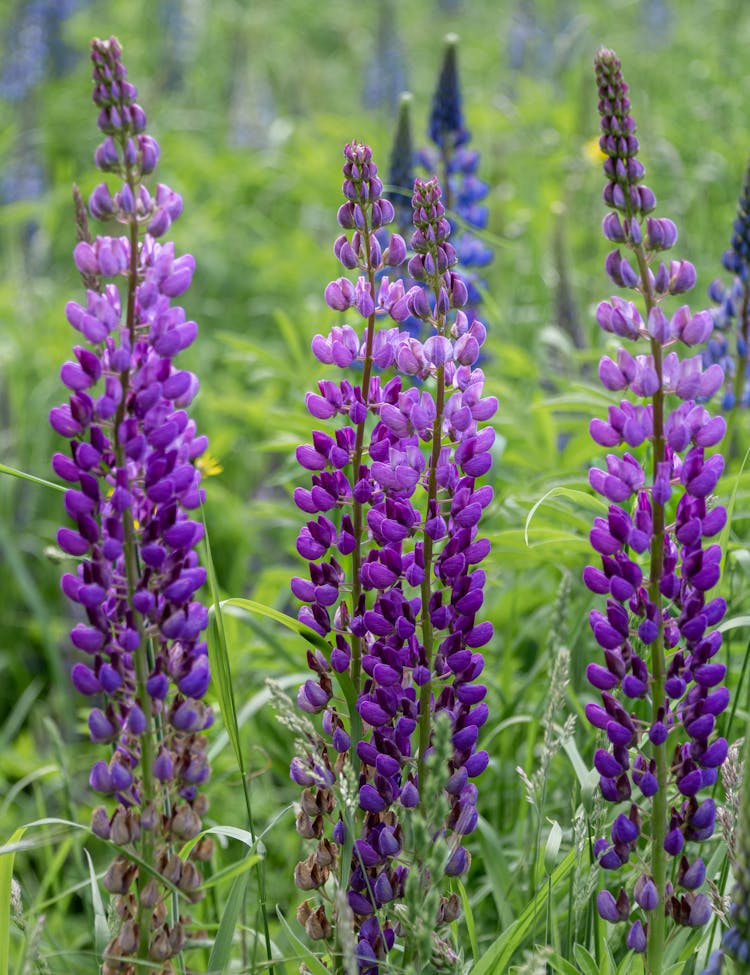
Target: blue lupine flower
[658,635]
[732,310]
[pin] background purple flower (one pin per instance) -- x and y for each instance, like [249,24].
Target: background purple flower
[659,682]
[133,499]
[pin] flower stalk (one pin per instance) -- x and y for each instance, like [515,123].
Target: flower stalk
[394,488]
[133,483]
[655,569]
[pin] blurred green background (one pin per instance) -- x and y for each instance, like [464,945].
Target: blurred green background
[251,103]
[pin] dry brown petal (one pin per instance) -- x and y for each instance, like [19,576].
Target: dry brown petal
[119,876]
[203,849]
[304,911]
[305,826]
[309,802]
[159,949]
[318,926]
[185,823]
[173,869]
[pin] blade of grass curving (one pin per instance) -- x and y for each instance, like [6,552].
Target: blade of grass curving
[469,919]
[259,609]
[496,960]
[561,965]
[7,858]
[221,951]
[581,498]
[13,472]
[312,961]
[219,656]
[101,928]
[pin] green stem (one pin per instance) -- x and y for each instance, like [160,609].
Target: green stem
[425,695]
[657,922]
[359,447]
[132,576]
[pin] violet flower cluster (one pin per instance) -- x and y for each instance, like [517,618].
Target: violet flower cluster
[732,311]
[658,676]
[393,551]
[457,165]
[133,498]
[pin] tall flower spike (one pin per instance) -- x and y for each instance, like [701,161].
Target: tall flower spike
[659,682]
[393,583]
[456,166]
[732,311]
[133,486]
[401,168]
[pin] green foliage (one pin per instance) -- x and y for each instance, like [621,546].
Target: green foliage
[251,105]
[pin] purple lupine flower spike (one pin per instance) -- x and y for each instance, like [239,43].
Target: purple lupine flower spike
[457,165]
[658,678]
[732,311]
[394,583]
[133,493]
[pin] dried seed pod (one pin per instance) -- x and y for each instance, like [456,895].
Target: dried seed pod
[318,926]
[119,876]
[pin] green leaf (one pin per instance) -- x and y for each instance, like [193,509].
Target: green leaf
[22,475]
[469,921]
[312,961]
[101,928]
[562,966]
[7,856]
[581,498]
[222,947]
[258,609]
[587,963]
[496,959]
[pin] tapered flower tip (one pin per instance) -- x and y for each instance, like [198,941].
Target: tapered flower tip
[446,119]
[100,779]
[610,909]
[458,863]
[624,830]
[636,938]
[699,910]
[370,799]
[646,893]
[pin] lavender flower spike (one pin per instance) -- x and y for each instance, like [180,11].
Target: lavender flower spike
[133,490]
[732,309]
[393,548]
[657,674]
[457,166]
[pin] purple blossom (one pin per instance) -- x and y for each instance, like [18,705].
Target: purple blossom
[657,632]
[401,615]
[133,493]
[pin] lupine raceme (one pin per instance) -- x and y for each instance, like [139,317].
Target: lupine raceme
[457,164]
[393,583]
[659,681]
[133,493]
[732,311]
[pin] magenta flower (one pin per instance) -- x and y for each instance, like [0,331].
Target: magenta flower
[658,678]
[393,547]
[133,498]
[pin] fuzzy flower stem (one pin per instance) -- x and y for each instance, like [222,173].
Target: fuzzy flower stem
[357,461]
[425,712]
[132,573]
[657,925]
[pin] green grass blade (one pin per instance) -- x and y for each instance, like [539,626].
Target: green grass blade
[469,919]
[496,959]
[101,928]
[311,960]
[222,947]
[259,609]
[22,475]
